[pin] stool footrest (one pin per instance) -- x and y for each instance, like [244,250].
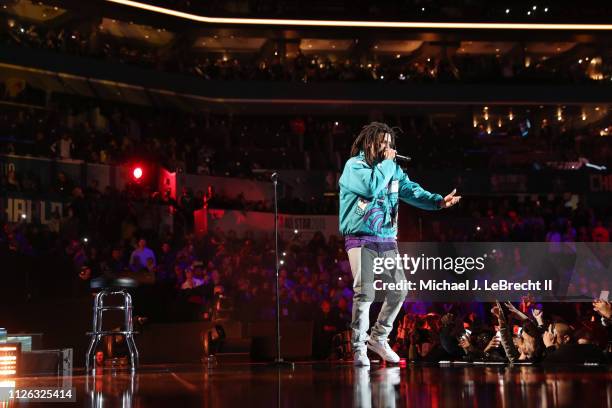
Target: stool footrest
[110,332]
[112,308]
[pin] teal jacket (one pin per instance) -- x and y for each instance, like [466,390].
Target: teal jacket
[369,197]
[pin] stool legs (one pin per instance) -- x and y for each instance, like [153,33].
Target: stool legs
[129,338]
[90,356]
[93,343]
[98,332]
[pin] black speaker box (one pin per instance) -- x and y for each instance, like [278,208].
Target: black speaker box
[50,362]
[296,340]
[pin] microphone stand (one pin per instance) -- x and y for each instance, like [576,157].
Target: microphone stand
[278,360]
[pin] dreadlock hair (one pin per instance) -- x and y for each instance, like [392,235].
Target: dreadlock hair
[372,135]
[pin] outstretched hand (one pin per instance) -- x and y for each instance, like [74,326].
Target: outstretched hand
[603,307]
[515,311]
[537,314]
[450,200]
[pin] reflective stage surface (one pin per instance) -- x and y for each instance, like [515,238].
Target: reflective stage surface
[333,385]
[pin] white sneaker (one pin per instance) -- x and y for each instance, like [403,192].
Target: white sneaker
[383,349]
[360,358]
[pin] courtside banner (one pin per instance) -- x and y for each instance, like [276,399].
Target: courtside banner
[486,271]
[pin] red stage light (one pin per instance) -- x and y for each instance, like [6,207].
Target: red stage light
[137,173]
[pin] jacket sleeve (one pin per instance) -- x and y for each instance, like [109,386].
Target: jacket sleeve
[366,181]
[413,194]
[509,347]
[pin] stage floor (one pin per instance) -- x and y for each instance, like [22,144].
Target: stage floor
[333,385]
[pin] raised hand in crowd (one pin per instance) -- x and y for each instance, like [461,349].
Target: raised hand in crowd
[538,315]
[603,307]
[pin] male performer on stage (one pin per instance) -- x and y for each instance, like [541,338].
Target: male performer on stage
[371,186]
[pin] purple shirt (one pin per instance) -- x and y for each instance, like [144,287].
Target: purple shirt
[373,242]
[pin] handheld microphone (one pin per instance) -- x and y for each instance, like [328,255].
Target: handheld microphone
[404,158]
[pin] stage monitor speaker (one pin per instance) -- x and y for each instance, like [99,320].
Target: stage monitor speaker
[296,340]
[52,362]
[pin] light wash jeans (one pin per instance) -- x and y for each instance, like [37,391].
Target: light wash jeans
[362,260]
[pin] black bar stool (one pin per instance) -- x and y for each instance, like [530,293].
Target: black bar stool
[112,287]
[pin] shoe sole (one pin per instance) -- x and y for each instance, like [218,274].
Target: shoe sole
[371,348]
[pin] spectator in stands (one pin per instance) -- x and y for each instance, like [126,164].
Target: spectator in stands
[151,267]
[76,252]
[326,325]
[188,204]
[561,349]
[600,234]
[63,184]
[166,261]
[191,281]
[115,265]
[63,147]
[526,345]
[604,309]
[81,285]
[140,255]
[12,183]
[344,311]
[179,275]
